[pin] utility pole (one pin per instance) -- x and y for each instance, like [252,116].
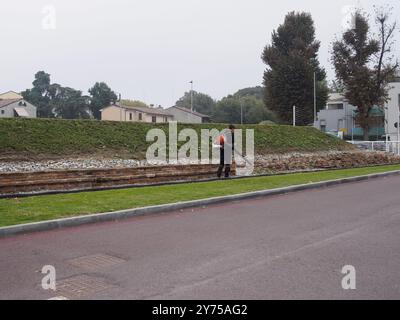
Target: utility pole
[294,116]
[398,130]
[191,96]
[120,107]
[241,111]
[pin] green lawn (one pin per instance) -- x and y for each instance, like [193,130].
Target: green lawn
[58,138]
[39,208]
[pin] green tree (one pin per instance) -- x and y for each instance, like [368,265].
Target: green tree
[202,103]
[336,86]
[69,103]
[364,65]
[257,92]
[134,103]
[101,96]
[53,100]
[40,94]
[291,61]
[235,109]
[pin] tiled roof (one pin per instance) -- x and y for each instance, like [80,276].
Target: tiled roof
[154,111]
[335,97]
[192,112]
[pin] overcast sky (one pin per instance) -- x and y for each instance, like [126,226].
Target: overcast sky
[150,49]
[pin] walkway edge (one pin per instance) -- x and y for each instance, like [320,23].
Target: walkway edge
[119,215]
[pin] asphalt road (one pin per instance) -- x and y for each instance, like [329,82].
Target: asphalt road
[292,246]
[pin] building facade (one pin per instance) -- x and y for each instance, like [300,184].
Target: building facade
[135,114]
[339,116]
[392,111]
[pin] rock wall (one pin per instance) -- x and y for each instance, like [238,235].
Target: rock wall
[62,180]
[298,162]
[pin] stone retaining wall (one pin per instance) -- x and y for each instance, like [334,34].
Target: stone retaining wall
[22,182]
[295,162]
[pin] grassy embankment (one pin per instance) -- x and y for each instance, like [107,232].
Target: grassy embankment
[45,138]
[39,208]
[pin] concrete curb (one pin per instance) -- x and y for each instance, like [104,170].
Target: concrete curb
[119,215]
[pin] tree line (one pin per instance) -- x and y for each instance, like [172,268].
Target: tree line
[56,101]
[245,106]
[363,62]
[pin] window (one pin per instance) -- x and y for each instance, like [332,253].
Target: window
[165,119]
[322,125]
[154,119]
[140,116]
[130,117]
[2,111]
[335,106]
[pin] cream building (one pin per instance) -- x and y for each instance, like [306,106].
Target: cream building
[135,114]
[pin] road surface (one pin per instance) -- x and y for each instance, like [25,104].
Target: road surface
[292,246]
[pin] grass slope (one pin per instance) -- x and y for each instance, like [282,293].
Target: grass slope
[34,137]
[39,208]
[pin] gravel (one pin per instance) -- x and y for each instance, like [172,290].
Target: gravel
[95,163]
[73,164]
[67,164]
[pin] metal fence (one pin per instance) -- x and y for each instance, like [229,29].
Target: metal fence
[384,146]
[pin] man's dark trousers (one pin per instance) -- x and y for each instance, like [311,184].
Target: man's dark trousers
[222,164]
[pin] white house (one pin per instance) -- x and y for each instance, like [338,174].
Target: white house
[392,109]
[338,115]
[13,105]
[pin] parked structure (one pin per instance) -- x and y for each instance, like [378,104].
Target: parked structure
[185,115]
[119,112]
[13,105]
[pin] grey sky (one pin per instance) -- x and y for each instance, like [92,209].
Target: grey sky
[151,49]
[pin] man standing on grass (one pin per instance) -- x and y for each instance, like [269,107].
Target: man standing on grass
[226,143]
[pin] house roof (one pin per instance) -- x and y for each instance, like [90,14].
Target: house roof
[335,97]
[192,112]
[6,102]
[153,111]
[15,95]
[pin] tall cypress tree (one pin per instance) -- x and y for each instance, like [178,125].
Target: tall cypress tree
[291,61]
